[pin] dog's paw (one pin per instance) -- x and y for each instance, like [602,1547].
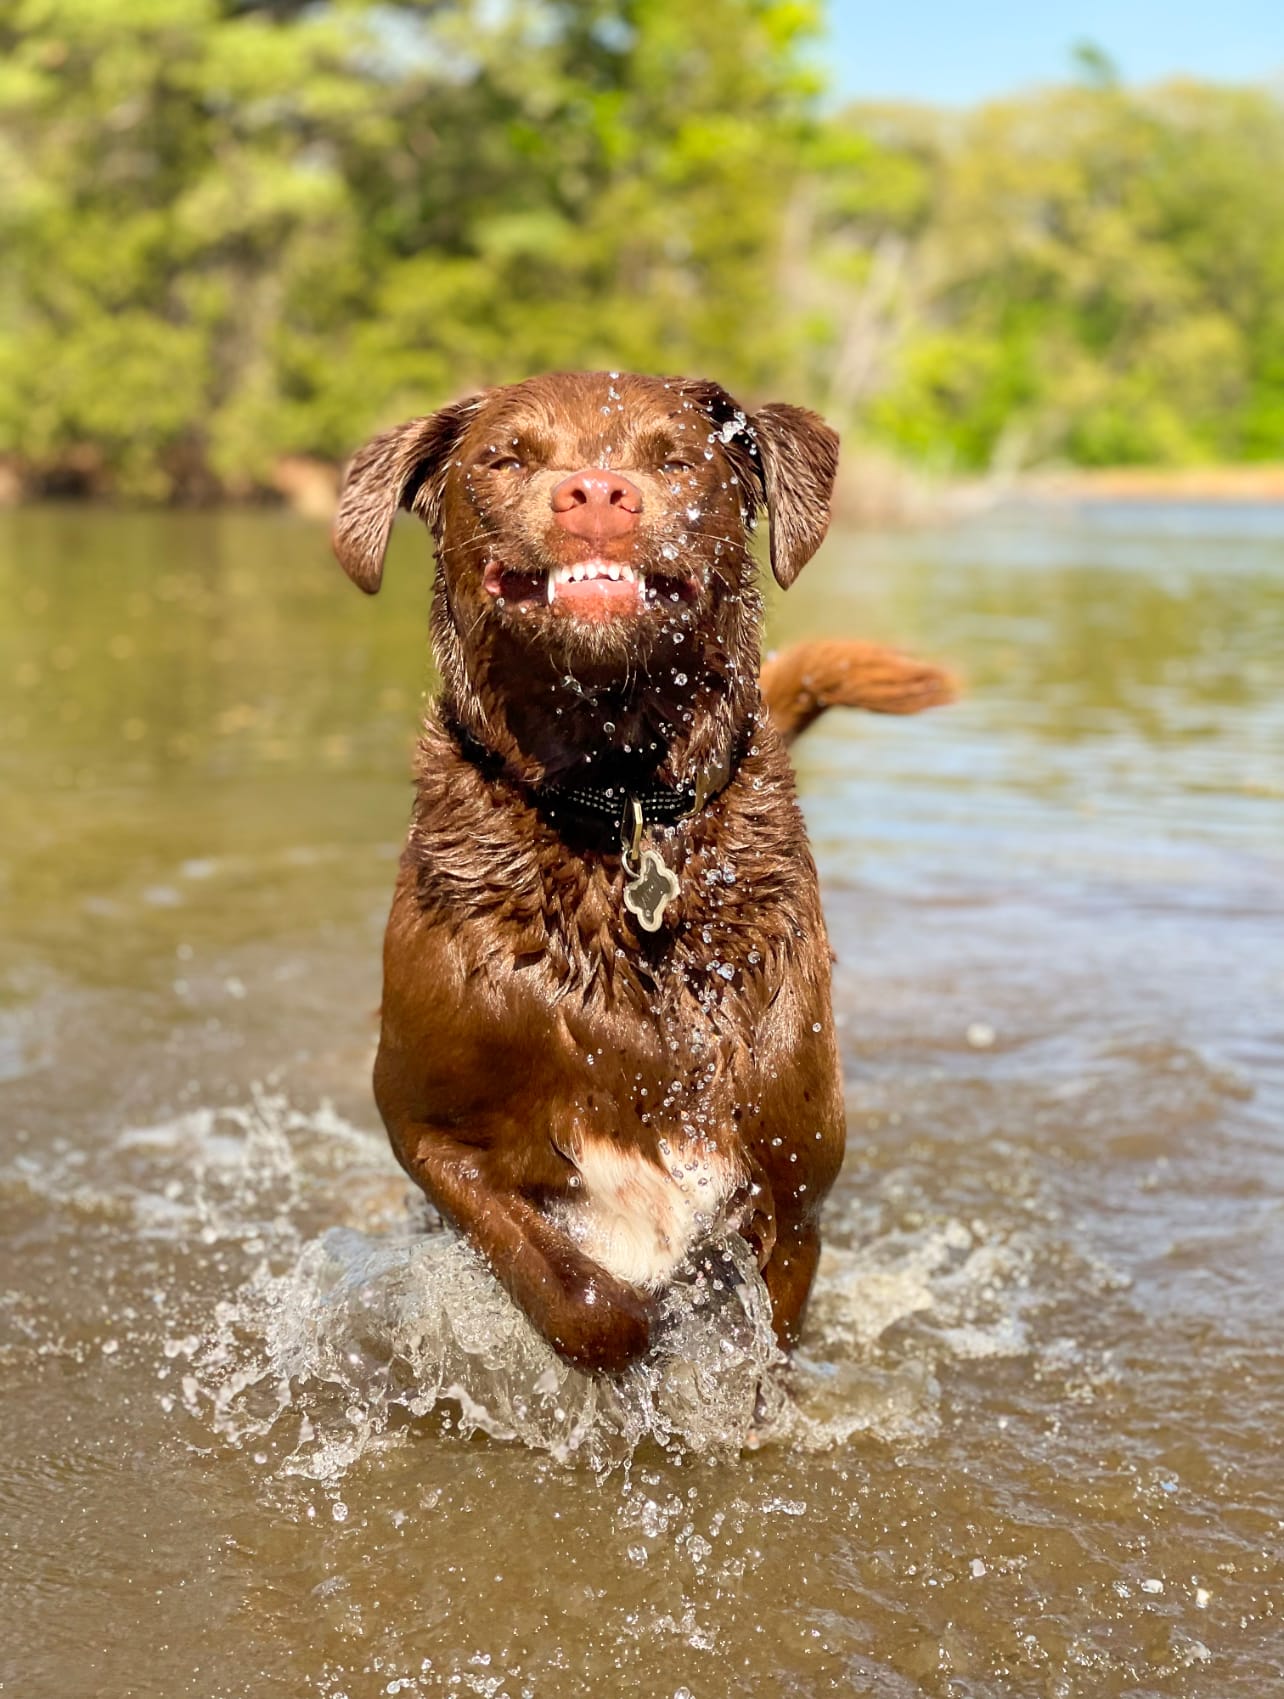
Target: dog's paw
[607,1329]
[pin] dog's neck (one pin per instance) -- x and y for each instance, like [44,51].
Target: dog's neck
[644,730]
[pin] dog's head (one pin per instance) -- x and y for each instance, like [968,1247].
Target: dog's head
[584,514]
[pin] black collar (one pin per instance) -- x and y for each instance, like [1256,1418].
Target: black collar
[660,805]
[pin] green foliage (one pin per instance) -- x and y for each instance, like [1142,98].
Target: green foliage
[237,229]
[1098,279]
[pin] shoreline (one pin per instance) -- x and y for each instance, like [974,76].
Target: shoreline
[1261,481]
[873,489]
[877,491]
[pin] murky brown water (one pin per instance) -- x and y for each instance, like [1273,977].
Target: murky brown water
[1034,1444]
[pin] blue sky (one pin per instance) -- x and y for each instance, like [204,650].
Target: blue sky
[956,52]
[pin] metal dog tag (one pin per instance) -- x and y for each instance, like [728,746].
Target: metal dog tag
[650,890]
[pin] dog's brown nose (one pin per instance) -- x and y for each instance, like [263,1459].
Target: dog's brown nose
[595,503]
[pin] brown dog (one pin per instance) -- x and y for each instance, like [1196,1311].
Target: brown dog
[606,1011]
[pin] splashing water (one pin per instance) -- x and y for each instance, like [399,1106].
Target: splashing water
[331,1339]
[363,1331]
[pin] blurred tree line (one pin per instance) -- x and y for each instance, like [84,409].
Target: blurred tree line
[235,230]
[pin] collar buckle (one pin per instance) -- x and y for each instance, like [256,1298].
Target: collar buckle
[631,834]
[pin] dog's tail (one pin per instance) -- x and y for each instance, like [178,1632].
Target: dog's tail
[800,682]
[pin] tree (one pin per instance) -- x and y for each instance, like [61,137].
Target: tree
[240,229]
[1090,273]
[237,229]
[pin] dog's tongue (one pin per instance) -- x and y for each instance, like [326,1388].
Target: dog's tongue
[596,598]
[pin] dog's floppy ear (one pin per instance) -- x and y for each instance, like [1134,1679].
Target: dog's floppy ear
[400,468]
[798,459]
[788,457]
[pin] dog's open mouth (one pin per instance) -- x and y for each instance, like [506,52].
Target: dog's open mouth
[588,589]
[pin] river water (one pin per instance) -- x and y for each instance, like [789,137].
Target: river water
[264,1432]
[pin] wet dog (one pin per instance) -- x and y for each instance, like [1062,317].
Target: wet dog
[606,1027]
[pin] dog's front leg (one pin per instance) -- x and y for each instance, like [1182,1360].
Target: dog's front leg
[752,1211]
[592,1319]
[788,1275]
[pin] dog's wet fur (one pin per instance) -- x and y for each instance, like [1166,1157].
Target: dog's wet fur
[583,1098]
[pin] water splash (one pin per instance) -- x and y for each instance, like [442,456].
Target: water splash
[341,1317]
[363,1331]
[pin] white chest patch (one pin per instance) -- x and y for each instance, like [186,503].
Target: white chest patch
[638,1219]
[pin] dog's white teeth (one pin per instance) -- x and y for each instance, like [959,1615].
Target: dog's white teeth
[551,589]
[588,571]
